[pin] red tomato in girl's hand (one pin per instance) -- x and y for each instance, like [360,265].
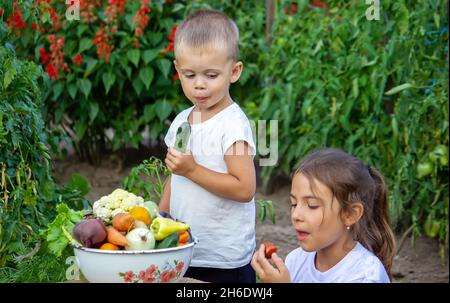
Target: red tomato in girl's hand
[269,249]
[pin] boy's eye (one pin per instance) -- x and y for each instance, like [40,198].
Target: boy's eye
[212,76]
[189,75]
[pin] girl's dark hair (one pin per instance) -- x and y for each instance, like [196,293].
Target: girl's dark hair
[350,180]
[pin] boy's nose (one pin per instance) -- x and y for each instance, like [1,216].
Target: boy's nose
[199,83]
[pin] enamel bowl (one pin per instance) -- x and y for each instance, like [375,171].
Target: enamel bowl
[139,266]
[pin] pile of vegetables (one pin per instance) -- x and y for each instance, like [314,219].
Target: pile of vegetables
[123,221]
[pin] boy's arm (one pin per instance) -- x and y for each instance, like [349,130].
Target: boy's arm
[164,203]
[239,184]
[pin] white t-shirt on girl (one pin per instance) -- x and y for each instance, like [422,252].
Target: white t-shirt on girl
[225,228]
[358,266]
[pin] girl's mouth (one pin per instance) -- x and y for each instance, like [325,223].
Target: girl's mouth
[302,235]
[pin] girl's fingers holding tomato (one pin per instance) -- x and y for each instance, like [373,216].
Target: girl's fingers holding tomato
[279,264]
[255,265]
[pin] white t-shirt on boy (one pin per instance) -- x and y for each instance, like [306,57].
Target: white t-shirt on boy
[225,228]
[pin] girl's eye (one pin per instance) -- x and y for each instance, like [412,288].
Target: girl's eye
[293,205]
[313,206]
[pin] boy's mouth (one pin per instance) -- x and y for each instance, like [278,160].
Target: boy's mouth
[201,99]
[302,235]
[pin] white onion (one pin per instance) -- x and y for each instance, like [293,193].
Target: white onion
[140,239]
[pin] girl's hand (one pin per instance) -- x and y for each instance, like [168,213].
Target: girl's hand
[268,273]
[179,163]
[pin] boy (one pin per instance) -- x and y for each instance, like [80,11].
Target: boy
[212,185]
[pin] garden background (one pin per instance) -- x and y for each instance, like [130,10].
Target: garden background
[84,102]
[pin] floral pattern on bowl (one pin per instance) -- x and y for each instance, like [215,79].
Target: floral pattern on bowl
[153,274]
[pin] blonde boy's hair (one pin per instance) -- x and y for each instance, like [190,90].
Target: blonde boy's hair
[208,28]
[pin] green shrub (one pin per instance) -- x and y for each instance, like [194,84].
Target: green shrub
[377,89]
[28,194]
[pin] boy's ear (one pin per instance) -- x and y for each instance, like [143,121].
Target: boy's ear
[352,215]
[175,63]
[236,71]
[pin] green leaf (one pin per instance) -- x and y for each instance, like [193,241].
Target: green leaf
[129,18]
[9,75]
[91,63]
[134,55]
[57,90]
[72,89]
[262,210]
[128,70]
[85,86]
[164,66]
[398,89]
[150,54]
[163,109]
[78,182]
[271,210]
[81,28]
[138,86]
[108,80]
[66,218]
[85,44]
[149,112]
[146,75]
[45,18]
[80,128]
[93,110]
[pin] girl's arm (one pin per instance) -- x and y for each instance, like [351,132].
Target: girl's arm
[239,184]
[164,203]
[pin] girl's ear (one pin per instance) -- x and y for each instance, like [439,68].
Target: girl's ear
[353,214]
[236,71]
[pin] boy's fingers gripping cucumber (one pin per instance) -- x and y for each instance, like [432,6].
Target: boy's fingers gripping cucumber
[182,139]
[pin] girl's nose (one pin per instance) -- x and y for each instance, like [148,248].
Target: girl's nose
[297,213]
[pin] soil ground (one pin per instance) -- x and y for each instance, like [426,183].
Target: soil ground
[418,261]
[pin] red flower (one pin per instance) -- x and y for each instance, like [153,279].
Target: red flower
[179,266]
[52,71]
[34,26]
[77,59]
[166,276]
[141,20]
[175,77]
[149,280]
[1,12]
[16,20]
[45,57]
[104,47]
[318,3]
[171,38]
[292,10]
[128,276]
[151,270]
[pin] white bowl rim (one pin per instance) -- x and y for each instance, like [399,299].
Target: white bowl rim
[134,252]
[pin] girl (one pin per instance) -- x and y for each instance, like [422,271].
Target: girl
[340,215]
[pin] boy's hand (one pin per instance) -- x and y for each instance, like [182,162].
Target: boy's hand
[268,273]
[179,163]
